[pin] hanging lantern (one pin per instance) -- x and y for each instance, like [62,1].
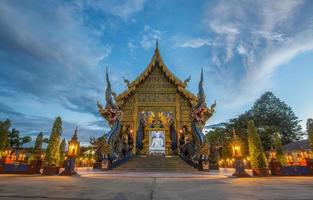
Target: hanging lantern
[272,155]
[73,145]
[236,145]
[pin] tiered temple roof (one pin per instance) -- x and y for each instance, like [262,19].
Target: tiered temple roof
[156,61]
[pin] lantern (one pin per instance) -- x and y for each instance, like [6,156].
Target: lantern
[303,156]
[73,148]
[236,145]
[290,159]
[237,160]
[272,155]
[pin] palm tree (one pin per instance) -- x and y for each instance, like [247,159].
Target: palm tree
[16,142]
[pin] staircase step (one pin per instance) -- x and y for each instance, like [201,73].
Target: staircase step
[155,164]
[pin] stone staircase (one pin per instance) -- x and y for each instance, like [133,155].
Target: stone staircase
[155,164]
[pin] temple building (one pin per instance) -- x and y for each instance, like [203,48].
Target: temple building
[157,116]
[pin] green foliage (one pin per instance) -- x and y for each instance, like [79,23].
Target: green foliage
[219,139]
[62,151]
[272,115]
[257,156]
[4,132]
[309,128]
[38,143]
[15,141]
[279,149]
[52,152]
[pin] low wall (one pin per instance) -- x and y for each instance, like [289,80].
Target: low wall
[231,171]
[17,168]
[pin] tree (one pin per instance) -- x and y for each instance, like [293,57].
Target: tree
[52,152]
[16,141]
[309,128]
[62,151]
[272,115]
[240,124]
[38,143]
[279,149]
[257,155]
[4,133]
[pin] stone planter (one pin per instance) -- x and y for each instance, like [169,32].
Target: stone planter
[260,172]
[275,168]
[50,170]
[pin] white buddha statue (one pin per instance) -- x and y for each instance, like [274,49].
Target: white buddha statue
[157,141]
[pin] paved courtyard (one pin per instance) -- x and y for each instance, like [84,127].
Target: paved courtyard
[138,186]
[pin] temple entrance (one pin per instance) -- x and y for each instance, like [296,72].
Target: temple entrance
[156,133]
[147,116]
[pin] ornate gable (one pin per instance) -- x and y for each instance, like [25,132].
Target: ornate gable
[156,63]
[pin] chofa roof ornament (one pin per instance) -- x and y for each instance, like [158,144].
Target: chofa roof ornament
[111,112]
[201,113]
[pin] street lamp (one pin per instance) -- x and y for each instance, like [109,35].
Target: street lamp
[274,164]
[73,147]
[239,164]
[272,155]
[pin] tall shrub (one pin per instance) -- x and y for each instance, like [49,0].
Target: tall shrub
[52,153]
[62,151]
[279,149]
[4,132]
[257,155]
[309,128]
[38,143]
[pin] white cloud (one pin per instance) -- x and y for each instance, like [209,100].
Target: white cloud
[123,8]
[250,44]
[195,43]
[149,37]
[279,37]
[241,50]
[132,47]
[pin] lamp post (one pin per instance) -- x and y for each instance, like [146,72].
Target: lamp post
[73,147]
[274,164]
[239,164]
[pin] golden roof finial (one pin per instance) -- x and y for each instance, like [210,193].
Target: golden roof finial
[157,44]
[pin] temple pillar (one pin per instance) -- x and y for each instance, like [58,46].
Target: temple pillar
[135,119]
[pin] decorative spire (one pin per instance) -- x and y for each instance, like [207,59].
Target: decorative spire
[157,44]
[108,92]
[201,95]
[75,137]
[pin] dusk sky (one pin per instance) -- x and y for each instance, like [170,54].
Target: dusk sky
[53,55]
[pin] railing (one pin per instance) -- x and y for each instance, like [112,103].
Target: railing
[192,163]
[121,161]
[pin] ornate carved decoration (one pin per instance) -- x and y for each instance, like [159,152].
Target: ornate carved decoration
[156,62]
[111,112]
[187,81]
[201,113]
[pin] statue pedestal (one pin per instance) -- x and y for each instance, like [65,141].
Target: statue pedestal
[240,168]
[69,167]
[275,168]
[205,165]
[102,165]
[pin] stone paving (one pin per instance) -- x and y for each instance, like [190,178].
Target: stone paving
[138,185]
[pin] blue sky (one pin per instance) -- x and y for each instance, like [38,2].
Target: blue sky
[53,55]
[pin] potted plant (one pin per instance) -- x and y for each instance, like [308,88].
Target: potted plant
[52,153]
[258,160]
